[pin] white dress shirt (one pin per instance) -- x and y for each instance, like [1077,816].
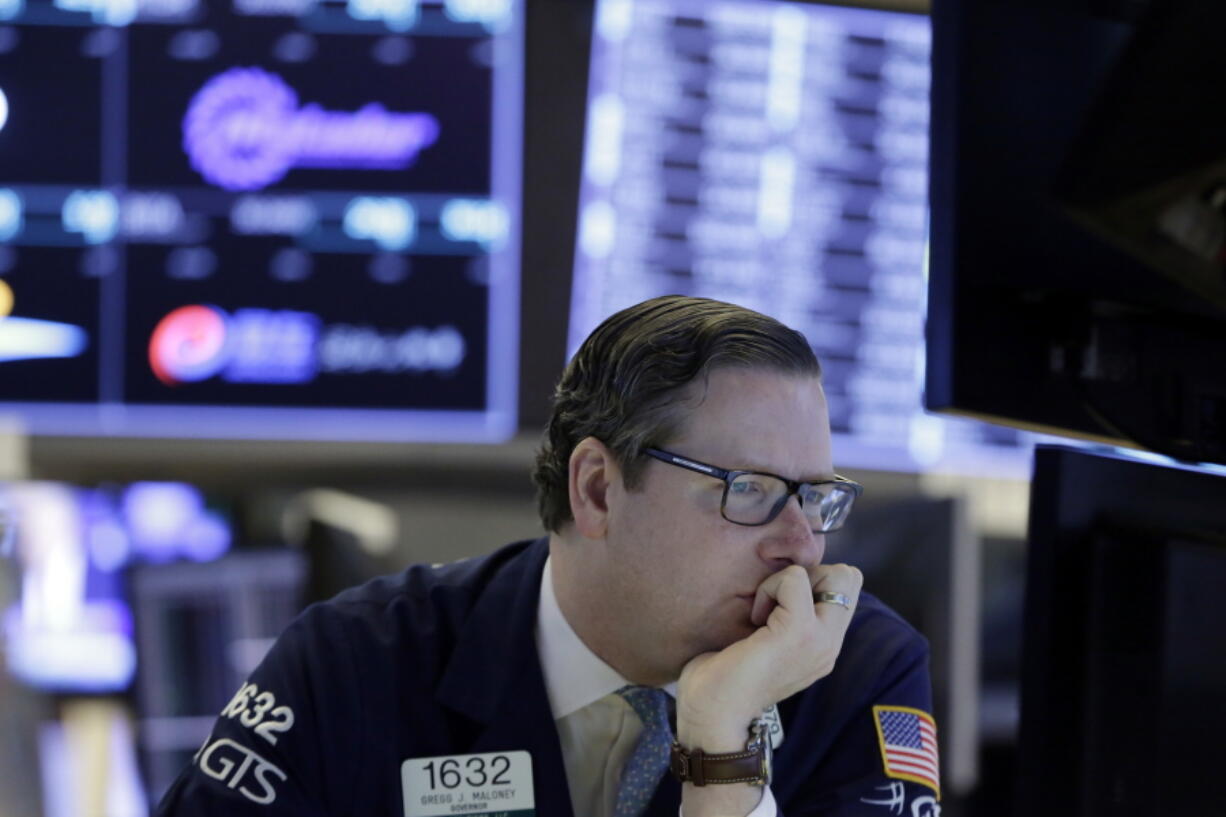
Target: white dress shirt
[596,727]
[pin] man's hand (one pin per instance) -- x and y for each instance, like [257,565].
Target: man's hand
[796,643]
[719,693]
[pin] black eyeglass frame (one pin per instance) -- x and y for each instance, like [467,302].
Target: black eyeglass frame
[728,476]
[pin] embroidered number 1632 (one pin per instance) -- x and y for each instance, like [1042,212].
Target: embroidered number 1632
[259,710]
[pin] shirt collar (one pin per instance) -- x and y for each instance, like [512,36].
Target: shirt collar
[574,675]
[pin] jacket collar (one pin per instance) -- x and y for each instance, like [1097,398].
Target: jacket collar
[494,675]
[496,647]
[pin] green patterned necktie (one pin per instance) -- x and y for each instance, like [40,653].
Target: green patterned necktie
[649,760]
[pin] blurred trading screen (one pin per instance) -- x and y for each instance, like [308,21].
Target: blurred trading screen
[775,155]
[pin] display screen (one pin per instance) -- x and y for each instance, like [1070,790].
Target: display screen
[775,155]
[70,626]
[260,218]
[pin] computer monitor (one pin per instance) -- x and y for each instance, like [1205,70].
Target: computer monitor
[1066,136]
[201,629]
[1124,662]
[69,627]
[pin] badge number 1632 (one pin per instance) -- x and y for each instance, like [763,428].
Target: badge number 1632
[496,783]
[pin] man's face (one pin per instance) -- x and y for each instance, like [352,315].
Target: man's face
[681,576]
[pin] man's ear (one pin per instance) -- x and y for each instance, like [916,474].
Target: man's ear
[593,469]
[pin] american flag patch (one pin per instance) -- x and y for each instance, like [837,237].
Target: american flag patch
[908,740]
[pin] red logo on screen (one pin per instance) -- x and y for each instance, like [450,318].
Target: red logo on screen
[189,344]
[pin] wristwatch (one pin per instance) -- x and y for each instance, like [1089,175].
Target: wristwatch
[753,765]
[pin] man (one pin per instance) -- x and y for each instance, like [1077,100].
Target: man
[678,613]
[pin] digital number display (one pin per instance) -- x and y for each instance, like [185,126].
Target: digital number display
[268,218]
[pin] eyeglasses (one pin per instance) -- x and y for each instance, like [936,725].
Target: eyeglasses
[755,497]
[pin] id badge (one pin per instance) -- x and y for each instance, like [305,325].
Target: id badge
[775,724]
[496,783]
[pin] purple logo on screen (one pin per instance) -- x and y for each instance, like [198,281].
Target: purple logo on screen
[244,130]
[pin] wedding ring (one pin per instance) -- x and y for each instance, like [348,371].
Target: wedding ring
[820,596]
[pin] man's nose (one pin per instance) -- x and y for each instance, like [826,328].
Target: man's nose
[791,539]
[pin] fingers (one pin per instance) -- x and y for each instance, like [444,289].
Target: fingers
[788,587]
[791,589]
[796,640]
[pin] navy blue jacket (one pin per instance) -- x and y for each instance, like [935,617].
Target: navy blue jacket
[442,661]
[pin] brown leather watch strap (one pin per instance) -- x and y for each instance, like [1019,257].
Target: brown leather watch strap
[700,768]
[750,765]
